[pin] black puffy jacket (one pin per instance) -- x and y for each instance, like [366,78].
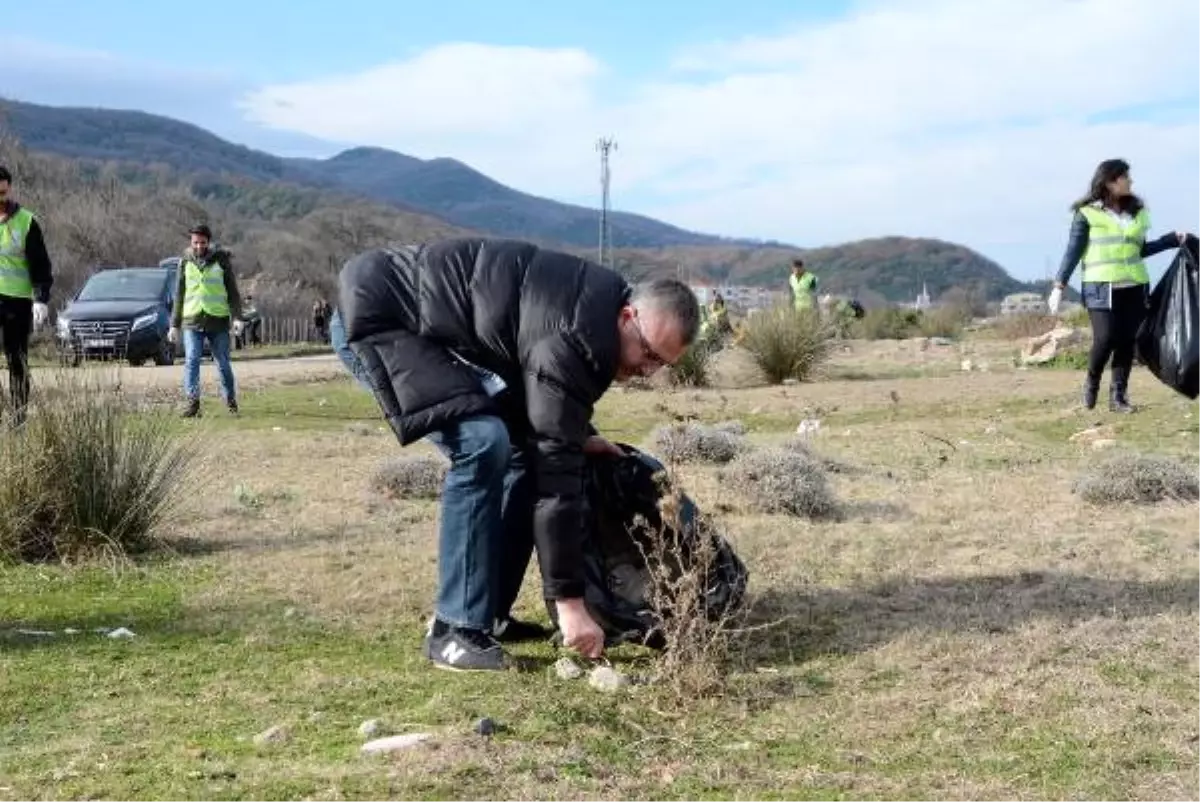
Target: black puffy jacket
[544,321]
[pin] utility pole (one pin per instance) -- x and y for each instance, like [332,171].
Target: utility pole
[605,145]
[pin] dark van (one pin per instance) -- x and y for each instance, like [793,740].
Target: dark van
[120,313]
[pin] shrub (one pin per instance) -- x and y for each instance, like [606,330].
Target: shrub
[410,477]
[695,442]
[1138,479]
[697,637]
[1077,318]
[692,368]
[786,344]
[800,444]
[1024,325]
[783,480]
[889,323]
[944,321]
[88,473]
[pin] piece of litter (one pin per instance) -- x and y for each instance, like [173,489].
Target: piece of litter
[394,743]
[120,632]
[808,426]
[38,632]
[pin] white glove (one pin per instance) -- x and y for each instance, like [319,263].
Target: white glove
[237,328]
[1054,301]
[41,313]
[173,335]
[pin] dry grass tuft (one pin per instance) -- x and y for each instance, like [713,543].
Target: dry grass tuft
[786,344]
[783,480]
[410,478]
[696,585]
[1138,479]
[802,445]
[696,442]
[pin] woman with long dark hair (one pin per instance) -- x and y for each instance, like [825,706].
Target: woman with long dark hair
[1108,240]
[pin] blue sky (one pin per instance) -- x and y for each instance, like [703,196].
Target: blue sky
[812,123]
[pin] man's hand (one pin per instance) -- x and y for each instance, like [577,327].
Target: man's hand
[598,445]
[173,335]
[41,313]
[237,328]
[579,631]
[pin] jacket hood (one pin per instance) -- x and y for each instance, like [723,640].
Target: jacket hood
[215,254]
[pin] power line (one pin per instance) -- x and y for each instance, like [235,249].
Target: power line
[605,145]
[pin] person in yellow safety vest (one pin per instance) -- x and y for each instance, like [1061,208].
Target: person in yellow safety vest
[1108,238]
[207,306]
[718,316]
[803,285]
[25,281]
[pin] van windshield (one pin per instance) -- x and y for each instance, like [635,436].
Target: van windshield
[124,285]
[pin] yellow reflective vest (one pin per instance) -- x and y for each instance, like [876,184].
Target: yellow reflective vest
[1114,252]
[204,290]
[14,266]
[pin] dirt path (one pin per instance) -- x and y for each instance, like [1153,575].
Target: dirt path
[249,373]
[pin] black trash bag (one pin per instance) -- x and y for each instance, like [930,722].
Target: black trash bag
[1168,342]
[622,499]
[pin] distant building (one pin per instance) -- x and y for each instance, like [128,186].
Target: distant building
[740,296]
[1023,303]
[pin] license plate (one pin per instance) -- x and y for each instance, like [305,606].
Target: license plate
[98,343]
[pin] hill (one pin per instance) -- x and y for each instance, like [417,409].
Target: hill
[878,270]
[366,195]
[445,187]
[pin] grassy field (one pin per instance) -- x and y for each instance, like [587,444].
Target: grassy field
[971,629]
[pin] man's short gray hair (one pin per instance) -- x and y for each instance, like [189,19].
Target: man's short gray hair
[675,299]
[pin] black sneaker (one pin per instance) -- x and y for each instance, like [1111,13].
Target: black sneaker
[190,408]
[510,630]
[461,649]
[232,406]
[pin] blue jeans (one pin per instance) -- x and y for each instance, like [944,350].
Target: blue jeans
[337,337]
[486,531]
[193,349]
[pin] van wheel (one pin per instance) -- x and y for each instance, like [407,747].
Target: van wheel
[165,355]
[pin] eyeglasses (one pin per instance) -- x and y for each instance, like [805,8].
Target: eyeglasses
[649,353]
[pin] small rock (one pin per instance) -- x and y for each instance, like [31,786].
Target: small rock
[370,728]
[395,743]
[272,735]
[120,632]
[485,727]
[967,365]
[566,668]
[603,678]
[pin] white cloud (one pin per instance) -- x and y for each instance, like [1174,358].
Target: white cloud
[977,122]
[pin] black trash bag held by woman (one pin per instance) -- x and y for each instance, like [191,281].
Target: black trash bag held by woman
[1168,342]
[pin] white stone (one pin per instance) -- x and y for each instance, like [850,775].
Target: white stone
[566,668]
[394,743]
[604,678]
